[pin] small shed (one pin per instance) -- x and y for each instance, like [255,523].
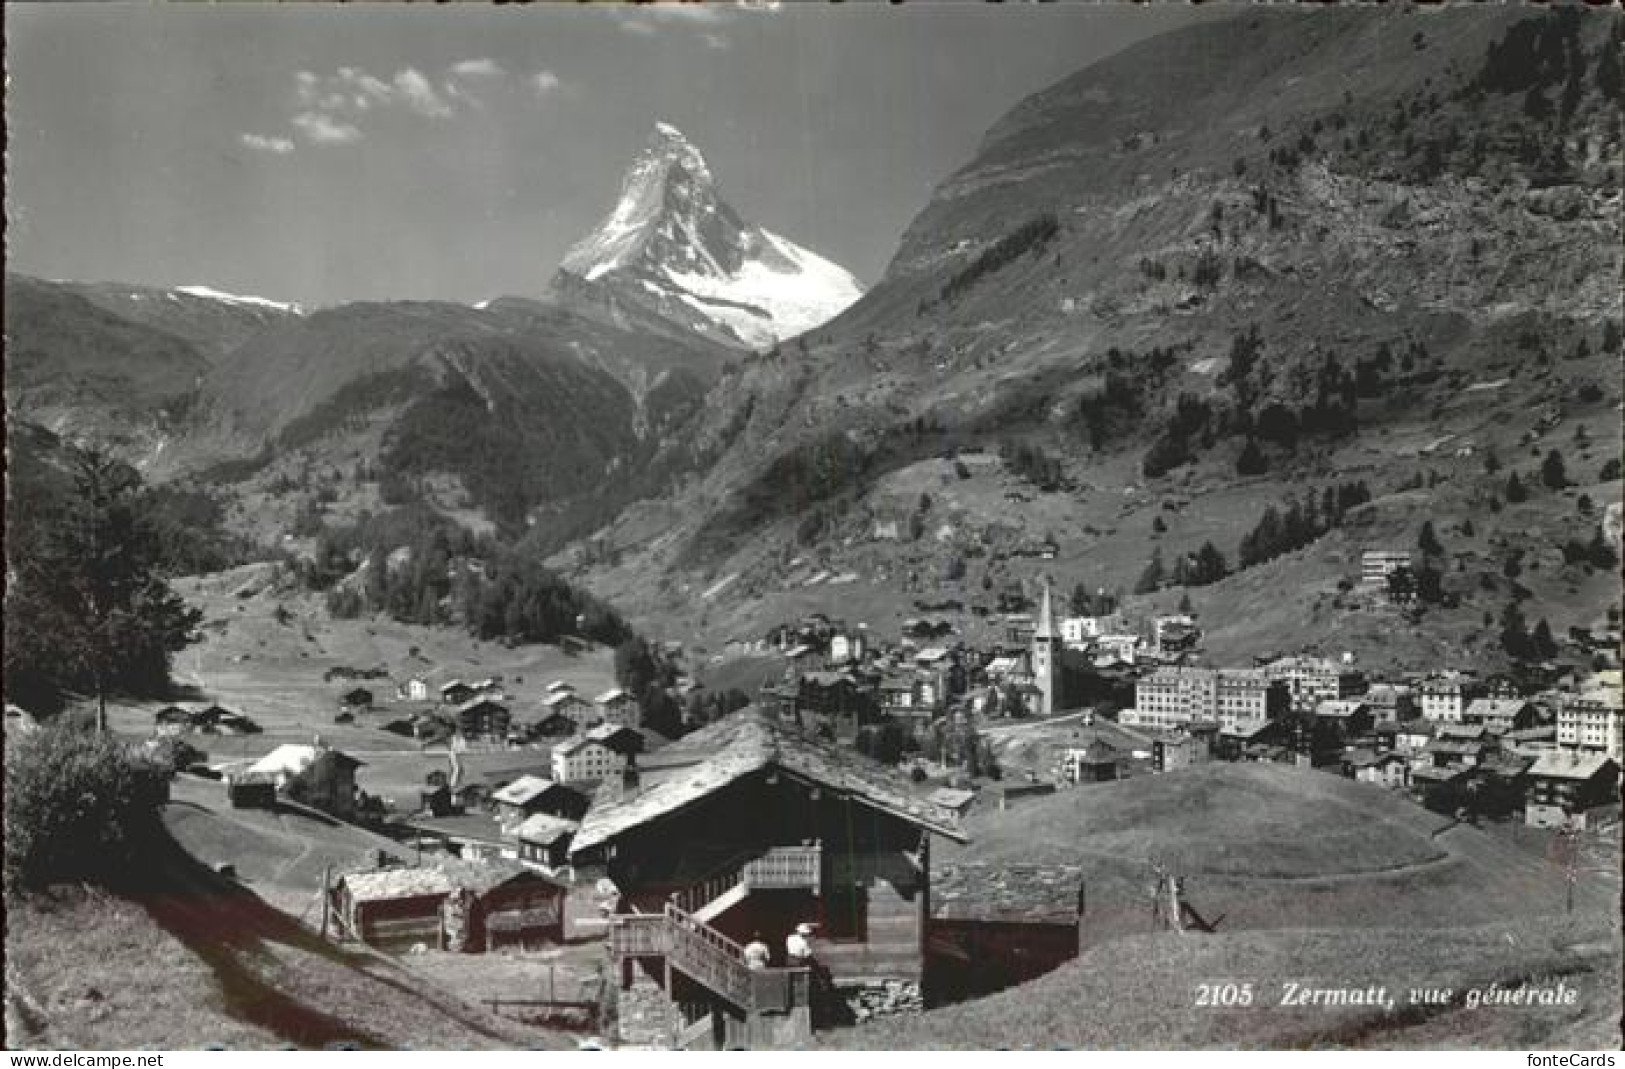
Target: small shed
[452,904]
[994,926]
[251,790]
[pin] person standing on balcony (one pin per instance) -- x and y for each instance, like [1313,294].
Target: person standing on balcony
[798,946]
[756,952]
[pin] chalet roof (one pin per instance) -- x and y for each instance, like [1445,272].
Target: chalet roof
[1032,894]
[524,789]
[293,758]
[453,684]
[1455,747]
[1607,697]
[930,655]
[1362,758]
[440,878]
[559,685]
[1469,732]
[613,694]
[1338,710]
[1495,708]
[615,736]
[576,744]
[1569,764]
[479,700]
[1245,729]
[544,829]
[723,752]
[955,798]
[1415,727]
[557,698]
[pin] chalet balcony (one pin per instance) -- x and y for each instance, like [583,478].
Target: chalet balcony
[785,868]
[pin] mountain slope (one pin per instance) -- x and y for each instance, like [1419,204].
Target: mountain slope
[1344,236]
[672,246]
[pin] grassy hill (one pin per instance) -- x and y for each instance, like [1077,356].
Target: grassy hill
[1266,846]
[1312,879]
[1141,993]
[185,959]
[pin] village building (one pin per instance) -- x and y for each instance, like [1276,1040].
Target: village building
[314,775]
[1565,786]
[482,718]
[529,795]
[849,648]
[1593,720]
[550,725]
[415,689]
[995,926]
[1445,697]
[617,706]
[1390,701]
[955,800]
[544,842]
[218,720]
[1116,649]
[1077,632]
[1343,720]
[1312,680]
[1382,769]
[1171,751]
[456,692]
[1098,762]
[356,699]
[1172,697]
[170,720]
[583,759]
[1376,565]
[749,827]
[1500,715]
[564,701]
[453,904]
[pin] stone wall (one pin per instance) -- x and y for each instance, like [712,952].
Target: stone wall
[881,998]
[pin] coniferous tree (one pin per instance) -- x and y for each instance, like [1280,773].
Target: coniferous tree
[1551,471]
[88,609]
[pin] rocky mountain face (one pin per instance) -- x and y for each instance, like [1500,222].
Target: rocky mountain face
[671,246]
[517,413]
[1228,267]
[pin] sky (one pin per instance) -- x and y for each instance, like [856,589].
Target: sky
[326,154]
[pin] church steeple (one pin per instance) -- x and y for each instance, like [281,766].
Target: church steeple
[1046,617]
[1044,657]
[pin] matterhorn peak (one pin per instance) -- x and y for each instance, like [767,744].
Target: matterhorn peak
[672,245]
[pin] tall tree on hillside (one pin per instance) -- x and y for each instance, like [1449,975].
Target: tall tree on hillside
[1552,473]
[1428,541]
[1151,579]
[88,610]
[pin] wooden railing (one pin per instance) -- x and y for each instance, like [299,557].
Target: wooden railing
[710,958]
[785,868]
[638,935]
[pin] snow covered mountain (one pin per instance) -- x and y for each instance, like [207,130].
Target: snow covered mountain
[672,246]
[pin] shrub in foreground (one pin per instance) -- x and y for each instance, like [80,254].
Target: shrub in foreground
[79,806]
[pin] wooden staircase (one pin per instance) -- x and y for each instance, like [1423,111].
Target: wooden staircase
[681,935]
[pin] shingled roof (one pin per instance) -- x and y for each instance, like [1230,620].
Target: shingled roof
[440,878]
[736,746]
[1031,894]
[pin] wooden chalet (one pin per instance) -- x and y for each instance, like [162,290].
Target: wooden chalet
[749,827]
[544,841]
[171,720]
[452,904]
[483,718]
[529,795]
[994,926]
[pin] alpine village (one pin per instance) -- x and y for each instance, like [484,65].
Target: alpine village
[1196,556]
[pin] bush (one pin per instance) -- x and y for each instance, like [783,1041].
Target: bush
[79,806]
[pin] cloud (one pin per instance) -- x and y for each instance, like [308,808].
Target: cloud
[322,129]
[419,94]
[279,146]
[483,67]
[715,40]
[638,27]
[544,82]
